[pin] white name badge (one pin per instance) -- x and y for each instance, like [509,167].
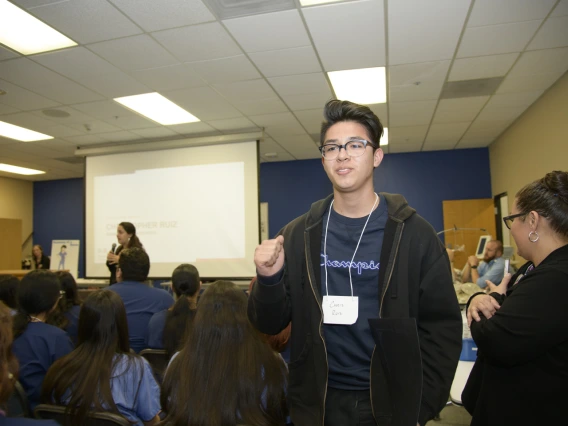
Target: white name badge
[340,309]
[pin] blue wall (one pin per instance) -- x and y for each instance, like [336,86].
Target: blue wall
[424,178]
[59,214]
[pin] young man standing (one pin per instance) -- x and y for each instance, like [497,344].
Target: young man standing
[376,326]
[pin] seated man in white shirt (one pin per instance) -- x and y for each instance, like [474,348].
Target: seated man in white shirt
[492,267]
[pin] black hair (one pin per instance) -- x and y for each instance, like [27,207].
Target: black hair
[134,264]
[130,229]
[9,290]
[336,111]
[549,198]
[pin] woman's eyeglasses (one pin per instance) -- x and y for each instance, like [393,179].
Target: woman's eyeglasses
[508,220]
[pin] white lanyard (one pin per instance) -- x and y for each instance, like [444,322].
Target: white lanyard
[356,248]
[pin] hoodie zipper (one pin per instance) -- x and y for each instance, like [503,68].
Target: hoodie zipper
[308,267]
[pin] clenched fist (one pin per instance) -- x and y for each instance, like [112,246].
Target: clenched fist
[269,256]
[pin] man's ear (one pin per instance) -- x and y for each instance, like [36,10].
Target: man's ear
[378,156]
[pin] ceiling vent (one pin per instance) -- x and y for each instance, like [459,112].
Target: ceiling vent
[471,88]
[226,9]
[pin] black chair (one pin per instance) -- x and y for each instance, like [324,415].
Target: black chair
[158,359]
[57,413]
[18,404]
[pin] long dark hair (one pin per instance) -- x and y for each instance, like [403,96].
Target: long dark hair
[38,293]
[9,290]
[69,286]
[226,374]
[185,283]
[81,379]
[130,229]
[8,362]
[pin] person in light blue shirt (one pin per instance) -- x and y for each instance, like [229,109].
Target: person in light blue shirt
[140,300]
[83,380]
[492,268]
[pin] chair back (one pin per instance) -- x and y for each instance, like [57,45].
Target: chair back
[57,413]
[18,404]
[158,359]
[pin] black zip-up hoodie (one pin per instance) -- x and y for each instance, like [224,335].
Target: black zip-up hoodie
[417,331]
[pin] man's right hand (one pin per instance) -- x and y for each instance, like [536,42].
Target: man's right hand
[269,256]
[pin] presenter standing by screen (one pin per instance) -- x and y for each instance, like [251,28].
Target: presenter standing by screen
[127,238]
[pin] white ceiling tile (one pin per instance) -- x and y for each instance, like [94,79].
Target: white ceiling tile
[403,147]
[413,135]
[23,99]
[299,84]
[88,69]
[363,47]
[232,124]
[561,9]
[260,106]
[507,100]
[438,146]
[5,109]
[208,41]
[179,76]
[554,33]
[189,129]
[281,124]
[251,90]
[58,145]
[96,127]
[445,133]
[402,114]
[508,113]
[87,21]
[26,73]
[307,100]
[61,131]
[311,119]
[482,67]
[155,132]
[204,103]
[380,111]
[29,121]
[268,145]
[412,37]
[496,39]
[84,140]
[269,31]
[74,117]
[528,83]
[134,53]
[490,12]
[154,15]
[486,129]
[119,136]
[5,53]
[541,62]
[469,142]
[114,112]
[301,147]
[417,82]
[459,110]
[297,60]
[226,70]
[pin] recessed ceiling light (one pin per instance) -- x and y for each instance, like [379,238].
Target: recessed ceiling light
[19,170]
[271,154]
[362,86]
[26,34]
[21,134]
[385,137]
[314,2]
[158,108]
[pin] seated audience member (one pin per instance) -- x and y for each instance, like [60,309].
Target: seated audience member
[9,291]
[492,268]
[37,345]
[280,342]
[166,329]
[225,373]
[140,300]
[70,304]
[9,372]
[40,260]
[101,374]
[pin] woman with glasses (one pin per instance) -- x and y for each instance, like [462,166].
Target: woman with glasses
[520,376]
[37,344]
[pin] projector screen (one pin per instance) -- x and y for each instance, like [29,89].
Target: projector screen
[195,205]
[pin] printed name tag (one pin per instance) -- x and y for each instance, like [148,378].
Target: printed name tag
[340,309]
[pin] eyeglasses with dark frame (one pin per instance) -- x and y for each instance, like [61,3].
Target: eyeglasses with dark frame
[508,220]
[353,148]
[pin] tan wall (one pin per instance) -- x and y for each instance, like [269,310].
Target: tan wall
[16,202]
[534,145]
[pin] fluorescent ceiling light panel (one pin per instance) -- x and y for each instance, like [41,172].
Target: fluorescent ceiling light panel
[19,170]
[314,2]
[21,134]
[385,137]
[158,108]
[26,34]
[362,86]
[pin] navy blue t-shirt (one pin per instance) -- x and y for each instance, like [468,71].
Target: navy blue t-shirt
[73,325]
[141,302]
[350,347]
[156,330]
[37,348]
